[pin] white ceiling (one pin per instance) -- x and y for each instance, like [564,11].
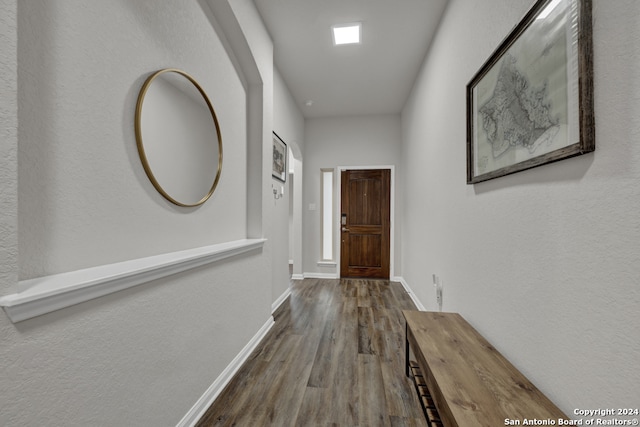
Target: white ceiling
[374,77]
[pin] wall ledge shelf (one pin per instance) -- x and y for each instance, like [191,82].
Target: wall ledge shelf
[46,294]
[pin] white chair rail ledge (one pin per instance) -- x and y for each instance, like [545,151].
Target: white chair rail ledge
[46,294]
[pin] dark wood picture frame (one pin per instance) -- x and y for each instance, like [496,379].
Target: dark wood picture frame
[531,103]
[279,162]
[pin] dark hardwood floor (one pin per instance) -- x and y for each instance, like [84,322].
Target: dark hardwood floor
[335,357]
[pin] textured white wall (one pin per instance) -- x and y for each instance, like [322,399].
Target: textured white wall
[545,263]
[8,146]
[345,141]
[142,356]
[288,123]
[84,197]
[261,117]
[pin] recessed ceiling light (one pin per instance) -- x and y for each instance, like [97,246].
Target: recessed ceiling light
[346,33]
[309,103]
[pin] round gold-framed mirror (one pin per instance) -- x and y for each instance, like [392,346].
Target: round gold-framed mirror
[178,137]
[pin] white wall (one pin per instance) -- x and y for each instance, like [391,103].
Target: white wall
[8,147]
[290,188]
[544,263]
[142,356]
[84,198]
[344,141]
[288,123]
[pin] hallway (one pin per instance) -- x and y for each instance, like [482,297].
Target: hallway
[335,356]
[544,263]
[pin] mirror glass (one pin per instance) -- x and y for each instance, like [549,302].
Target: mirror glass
[178,137]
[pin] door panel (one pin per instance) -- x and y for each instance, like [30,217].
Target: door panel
[364,250]
[365,233]
[364,208]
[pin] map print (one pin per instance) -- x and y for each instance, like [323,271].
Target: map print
[523,106]
[517,115]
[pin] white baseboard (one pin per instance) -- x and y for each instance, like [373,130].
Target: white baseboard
[209,396]
[321,276]
[282,298]
[297,277]
[407,288]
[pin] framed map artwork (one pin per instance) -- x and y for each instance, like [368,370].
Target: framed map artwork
[531,103]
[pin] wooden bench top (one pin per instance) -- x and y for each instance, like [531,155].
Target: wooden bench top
[471,383]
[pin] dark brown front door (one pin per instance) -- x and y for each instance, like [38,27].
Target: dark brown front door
[365,223]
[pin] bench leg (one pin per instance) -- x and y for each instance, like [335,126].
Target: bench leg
[406,350]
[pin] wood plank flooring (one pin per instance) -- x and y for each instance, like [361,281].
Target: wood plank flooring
[335,357]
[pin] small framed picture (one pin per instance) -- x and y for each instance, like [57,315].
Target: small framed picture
[279,166]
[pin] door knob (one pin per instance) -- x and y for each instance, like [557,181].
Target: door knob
[345,229]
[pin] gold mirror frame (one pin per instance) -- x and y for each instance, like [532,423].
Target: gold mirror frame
[139,143]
